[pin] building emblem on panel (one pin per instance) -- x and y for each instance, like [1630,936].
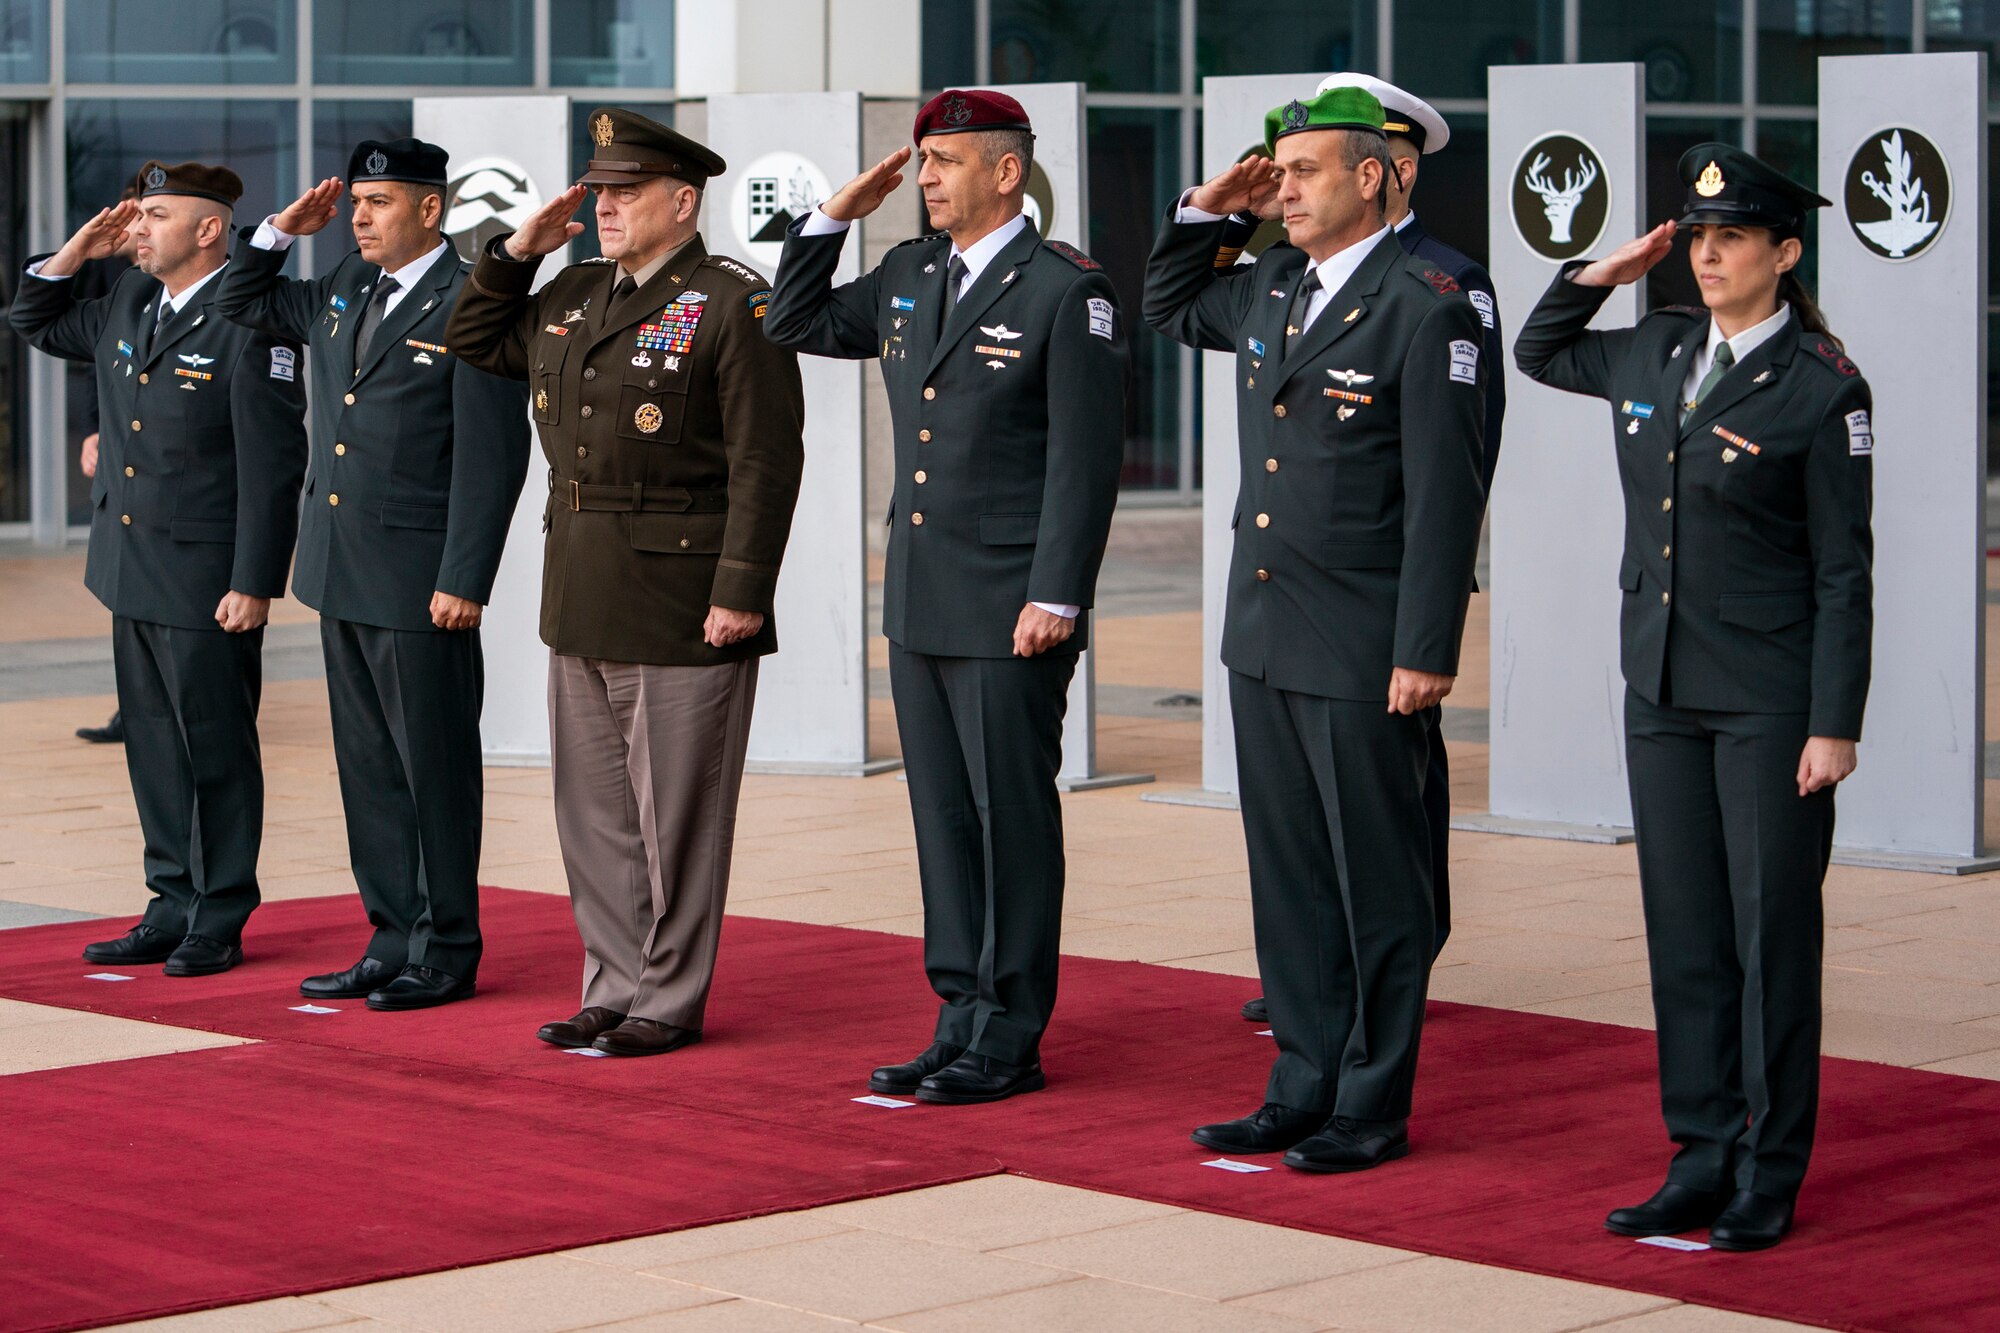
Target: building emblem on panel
[489,197]
[772,193]
[1897,194]
[1561,198]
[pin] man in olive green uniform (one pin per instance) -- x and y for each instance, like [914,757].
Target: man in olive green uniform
[417,460]
[193,512]
[1004,357]
[1360,409]
[673,431]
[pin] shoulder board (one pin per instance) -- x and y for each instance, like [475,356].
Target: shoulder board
[1829,354]
[919,240]
[1074,256]
[1691,311]
[594,259]
[1432,276]
[741,272]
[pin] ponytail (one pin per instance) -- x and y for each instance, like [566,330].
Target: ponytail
[1793,293]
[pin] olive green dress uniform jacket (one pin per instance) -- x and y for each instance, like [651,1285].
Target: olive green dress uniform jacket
[1009,418]
[1751,594]
[202,444]
[674,434]
[1358,520]
[426,453]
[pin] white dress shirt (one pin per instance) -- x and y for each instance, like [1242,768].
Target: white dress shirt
[268,237]
[1741,345]
[981,253]
[1334,270]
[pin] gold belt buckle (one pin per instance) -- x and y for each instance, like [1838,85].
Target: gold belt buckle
[575,497]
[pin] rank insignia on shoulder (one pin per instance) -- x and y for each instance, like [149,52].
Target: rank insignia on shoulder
[1441,282]
[1834,357]
[749,275]
[597,259]
[758,302]
[902,303]
[1074,256]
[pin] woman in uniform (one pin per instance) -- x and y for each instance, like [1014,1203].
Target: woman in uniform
[1743,440]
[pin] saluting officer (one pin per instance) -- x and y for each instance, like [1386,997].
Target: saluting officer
[1744,443]
[193,511]
[673,431]
[416,463]
[1004,357]
[1359,423]
[1415,130]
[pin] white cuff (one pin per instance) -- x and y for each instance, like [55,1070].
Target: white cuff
[1189,213]
[819,224]
[35,271]
[1063,609]
[268,236]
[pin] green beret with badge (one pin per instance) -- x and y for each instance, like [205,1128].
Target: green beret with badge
[1334,109]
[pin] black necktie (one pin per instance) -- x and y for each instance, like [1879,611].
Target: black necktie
[626,286]
[371,318]
[1295,324]
[954,279]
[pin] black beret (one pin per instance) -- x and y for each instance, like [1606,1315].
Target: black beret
[195,178]
[410,160]
[631,148]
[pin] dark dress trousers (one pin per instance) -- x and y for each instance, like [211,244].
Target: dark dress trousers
[1746,628]
[1009,421]
[1356,529]
[417,459]
[201,445]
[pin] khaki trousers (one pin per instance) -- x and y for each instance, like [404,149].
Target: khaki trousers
[647,762]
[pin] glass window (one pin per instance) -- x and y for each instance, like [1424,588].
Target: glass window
[1128,46]
[949,41]
[14,416]
[1134,170]
[1444,50]
[109,140]
[1667,137]
[420,42]
[197,41]
[338,126]
[1282,37]
[1692,51]
[581,150]
[24,41]
[612,44]
[1793,34]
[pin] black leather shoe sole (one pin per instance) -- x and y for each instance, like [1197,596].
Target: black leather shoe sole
[92,954]
[1255,1011]
[1341,1168]
[1034,1082]
[206,968]
[1744,1244]
[404,1005]
[1664,1227]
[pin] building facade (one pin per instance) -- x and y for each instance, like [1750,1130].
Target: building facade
[281,89]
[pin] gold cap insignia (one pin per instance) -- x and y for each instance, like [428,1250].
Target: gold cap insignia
[647,418]
[1709,183]
[600,129]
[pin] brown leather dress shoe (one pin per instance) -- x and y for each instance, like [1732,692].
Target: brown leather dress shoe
[582,1030]
[644,1036]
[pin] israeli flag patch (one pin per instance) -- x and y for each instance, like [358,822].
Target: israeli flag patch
[1860,434]
[1464,362]
[1100,317]
[284,363]
[1483,303]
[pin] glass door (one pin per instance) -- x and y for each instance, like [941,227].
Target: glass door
[14,418]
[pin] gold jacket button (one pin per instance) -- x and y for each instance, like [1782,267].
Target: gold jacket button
[1263,576]
[144,378]
[1666,504]
[1666,597]
[1278,411]
[126,519]
[131,472]
[590,372]
[333,499]
[929,394]
[922,476]
[684,542]
[340,451]
[582,452]
[138,426]
[349,400]
[924,435]
[1666,552]
[585,412]
[1263,520]
[1270,465]
[917,520]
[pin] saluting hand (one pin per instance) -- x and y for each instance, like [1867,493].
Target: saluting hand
[311,210]
[449,612]
[1036,631]
[95,239]
[1413,691]
[551,226]
[1630,261]
[1251,184]
[1825,761]
[865,193]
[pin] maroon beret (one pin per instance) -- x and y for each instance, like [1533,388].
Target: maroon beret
[960,110]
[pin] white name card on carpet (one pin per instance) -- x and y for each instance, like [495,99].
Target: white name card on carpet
[890,1102]
[312,1009]
[1264,1032]
[106,976]
[1242,1168]
[585,1050]
[1674,1243]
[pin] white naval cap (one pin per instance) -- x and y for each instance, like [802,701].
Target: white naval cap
[1407,115]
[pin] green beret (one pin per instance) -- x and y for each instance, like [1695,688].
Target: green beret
[1334,109]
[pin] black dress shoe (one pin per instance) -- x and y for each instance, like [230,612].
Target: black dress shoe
[111,733]
[200,956]
[418,987]
[141,944]
[1351,1145]
[904,1078]
[582,1030]
[1270,1128]
[1676,1208]
[367,975]
[1752,1221]
[1256,1011]
[980,1078]
[645,1036]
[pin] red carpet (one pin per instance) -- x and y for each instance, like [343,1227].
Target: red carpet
[222,1176]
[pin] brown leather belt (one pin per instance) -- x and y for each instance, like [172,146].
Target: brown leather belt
[638,499]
